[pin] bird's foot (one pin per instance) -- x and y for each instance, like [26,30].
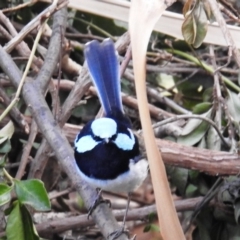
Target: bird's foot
[114,235]
[98,201]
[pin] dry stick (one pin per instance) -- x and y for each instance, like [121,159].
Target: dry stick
[33,24]
[14,113]
[16,98]
[167,101]
[44,151]
[69,223]
[126,60]
[217,97]
[143,16]
[21,47]
[56,106]
[226,33]
[155,94]
[43,78]
[25,156]
[27,149]
[23,5]
[54,92]
[5,33]
[128,100]
[156,112]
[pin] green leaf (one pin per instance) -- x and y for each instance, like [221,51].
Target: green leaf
[194,130]
[191,125]
[152,228]
[195,25]
[179,178]
[151,217]
[201,23]
[233,104]
[14,228]
[33,193]
[207,95]
[189,28]
[20,225]
[202,143]
[5,147]
[3,160]
[213,139]
[195,136]
[201,107]
[5,193]
[29,228]
[193,174]
[191,190]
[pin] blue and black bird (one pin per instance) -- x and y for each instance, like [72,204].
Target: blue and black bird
[106,150]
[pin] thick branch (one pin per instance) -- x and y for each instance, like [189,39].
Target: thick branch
[58,142]
[204,160]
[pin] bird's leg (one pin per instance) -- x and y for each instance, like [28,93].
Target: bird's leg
[117,233]
[97,201]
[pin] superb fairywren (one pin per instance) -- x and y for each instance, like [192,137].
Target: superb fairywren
[106,150]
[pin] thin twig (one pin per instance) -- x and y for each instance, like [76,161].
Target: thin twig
[14,113]
[16,98]
[226,33]
[217,97]
[33,24]
[18,7]
[176,118]
[25,156]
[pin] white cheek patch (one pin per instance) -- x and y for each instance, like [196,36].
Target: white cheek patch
[85,144]
[104,127]
[123,141]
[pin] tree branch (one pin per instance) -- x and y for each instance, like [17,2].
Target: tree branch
[58,142]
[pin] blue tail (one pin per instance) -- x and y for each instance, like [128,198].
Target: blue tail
[104,69]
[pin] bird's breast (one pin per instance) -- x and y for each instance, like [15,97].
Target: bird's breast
[104,161]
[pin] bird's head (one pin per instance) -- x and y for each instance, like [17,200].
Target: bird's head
[104,129]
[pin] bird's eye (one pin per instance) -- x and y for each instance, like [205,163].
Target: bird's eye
[97,139]
[113,137]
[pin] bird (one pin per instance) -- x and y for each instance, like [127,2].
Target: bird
[106,150]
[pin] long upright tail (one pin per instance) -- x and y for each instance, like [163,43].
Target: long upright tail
[104,69]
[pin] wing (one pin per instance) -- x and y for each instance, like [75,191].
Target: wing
[102,61]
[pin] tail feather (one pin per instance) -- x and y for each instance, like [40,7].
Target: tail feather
[104,69]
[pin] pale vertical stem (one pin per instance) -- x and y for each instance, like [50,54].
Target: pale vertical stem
[143,16]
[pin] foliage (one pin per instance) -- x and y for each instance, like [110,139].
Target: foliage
[28,192]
